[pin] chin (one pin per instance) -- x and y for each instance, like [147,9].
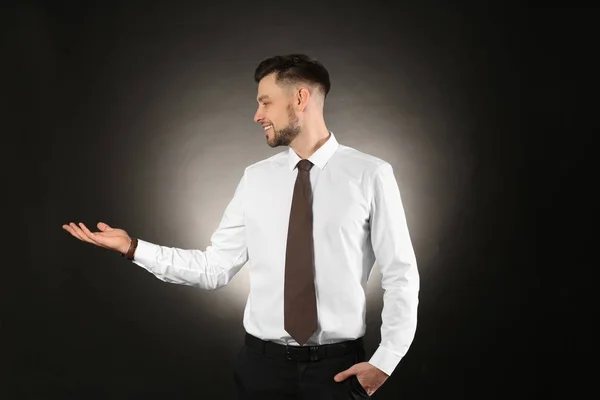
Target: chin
[272,143]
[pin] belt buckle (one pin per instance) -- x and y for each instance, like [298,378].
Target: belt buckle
[292,355]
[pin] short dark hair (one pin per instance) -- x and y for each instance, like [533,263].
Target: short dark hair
[294,68]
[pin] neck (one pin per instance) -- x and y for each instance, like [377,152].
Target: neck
[310,139]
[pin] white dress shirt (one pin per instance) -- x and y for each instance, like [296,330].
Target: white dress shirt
[358,219]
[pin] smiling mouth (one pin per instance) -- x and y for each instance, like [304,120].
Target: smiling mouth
[266,128]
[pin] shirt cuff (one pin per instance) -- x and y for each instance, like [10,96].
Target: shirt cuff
[385,360]
[145,254]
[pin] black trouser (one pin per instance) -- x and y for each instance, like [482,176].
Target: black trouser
[268,372]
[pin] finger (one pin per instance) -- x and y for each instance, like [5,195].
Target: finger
[104,227]
[71,229]
[93,236]
[80,233]
[343,375]
[86,231]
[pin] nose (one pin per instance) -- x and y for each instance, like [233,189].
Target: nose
[258,116]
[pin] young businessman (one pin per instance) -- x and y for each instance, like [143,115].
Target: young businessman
[310,222]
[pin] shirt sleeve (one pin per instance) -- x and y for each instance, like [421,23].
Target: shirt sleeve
[210,269]
[397,262]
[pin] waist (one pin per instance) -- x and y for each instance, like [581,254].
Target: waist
[303,353]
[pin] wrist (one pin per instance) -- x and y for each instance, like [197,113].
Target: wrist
[133,242]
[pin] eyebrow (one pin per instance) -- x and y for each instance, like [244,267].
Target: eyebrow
[263,97]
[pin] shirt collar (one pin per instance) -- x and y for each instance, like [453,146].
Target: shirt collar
[319,157]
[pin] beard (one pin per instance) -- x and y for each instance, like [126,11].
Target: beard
[285,135]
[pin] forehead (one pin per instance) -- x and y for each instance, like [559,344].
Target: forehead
[267,87]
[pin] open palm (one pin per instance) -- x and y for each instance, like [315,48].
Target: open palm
[109,238]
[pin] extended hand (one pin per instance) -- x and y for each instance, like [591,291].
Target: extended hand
[369,376]
[109,238]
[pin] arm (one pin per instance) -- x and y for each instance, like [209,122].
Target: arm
[400,278]
[209,269]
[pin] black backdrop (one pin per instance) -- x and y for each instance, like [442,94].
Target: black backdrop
[477,106]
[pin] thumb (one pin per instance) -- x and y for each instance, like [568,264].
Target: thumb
[104,227]
[344,374]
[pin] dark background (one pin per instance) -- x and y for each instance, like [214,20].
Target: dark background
[478,106]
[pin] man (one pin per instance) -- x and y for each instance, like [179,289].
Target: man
[310,221]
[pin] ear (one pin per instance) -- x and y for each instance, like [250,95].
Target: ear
[302,98]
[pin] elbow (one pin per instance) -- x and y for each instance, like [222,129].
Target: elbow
[214,282]
[218,272]
[401,275]
[220,268]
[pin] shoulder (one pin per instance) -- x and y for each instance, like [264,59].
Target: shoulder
[360,161]
[267,164]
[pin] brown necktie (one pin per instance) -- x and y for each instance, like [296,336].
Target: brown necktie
[300,304]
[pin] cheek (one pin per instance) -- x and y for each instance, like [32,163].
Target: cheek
[275,122]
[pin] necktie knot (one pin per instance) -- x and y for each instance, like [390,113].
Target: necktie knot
[305,165]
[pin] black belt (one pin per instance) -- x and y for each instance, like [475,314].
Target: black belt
[302,353]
